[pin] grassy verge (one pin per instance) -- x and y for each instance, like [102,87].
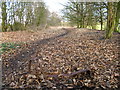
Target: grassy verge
[7,46]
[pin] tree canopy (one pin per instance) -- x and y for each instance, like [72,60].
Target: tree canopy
[91,14]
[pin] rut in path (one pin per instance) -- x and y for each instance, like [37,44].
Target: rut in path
[19,57]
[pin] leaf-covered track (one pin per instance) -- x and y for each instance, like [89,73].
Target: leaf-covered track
[64,55]
[27,53]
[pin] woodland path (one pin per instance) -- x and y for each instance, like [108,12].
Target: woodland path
[24,55]
[63,53]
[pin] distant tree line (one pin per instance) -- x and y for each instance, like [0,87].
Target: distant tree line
[90,14]
[54,19]
[19,15]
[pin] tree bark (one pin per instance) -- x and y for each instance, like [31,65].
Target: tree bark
[117,16]
[110,20]
[4,17]
[101,18]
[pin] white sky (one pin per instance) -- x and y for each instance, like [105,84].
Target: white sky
[55,5]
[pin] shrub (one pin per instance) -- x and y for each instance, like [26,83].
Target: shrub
[18,26]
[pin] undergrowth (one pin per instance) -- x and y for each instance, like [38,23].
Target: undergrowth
[4,47]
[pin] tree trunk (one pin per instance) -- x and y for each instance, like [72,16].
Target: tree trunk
[78,24]
[117,16]
[101,23]
[110,20]
[101,18]
[4,17]
[82,17]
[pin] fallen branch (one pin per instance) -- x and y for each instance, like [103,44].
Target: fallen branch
[69,75]
[63,75]
[29,66]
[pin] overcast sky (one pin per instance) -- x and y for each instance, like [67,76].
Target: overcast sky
[55,5]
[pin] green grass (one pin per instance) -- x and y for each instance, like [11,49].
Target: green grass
[8,46]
